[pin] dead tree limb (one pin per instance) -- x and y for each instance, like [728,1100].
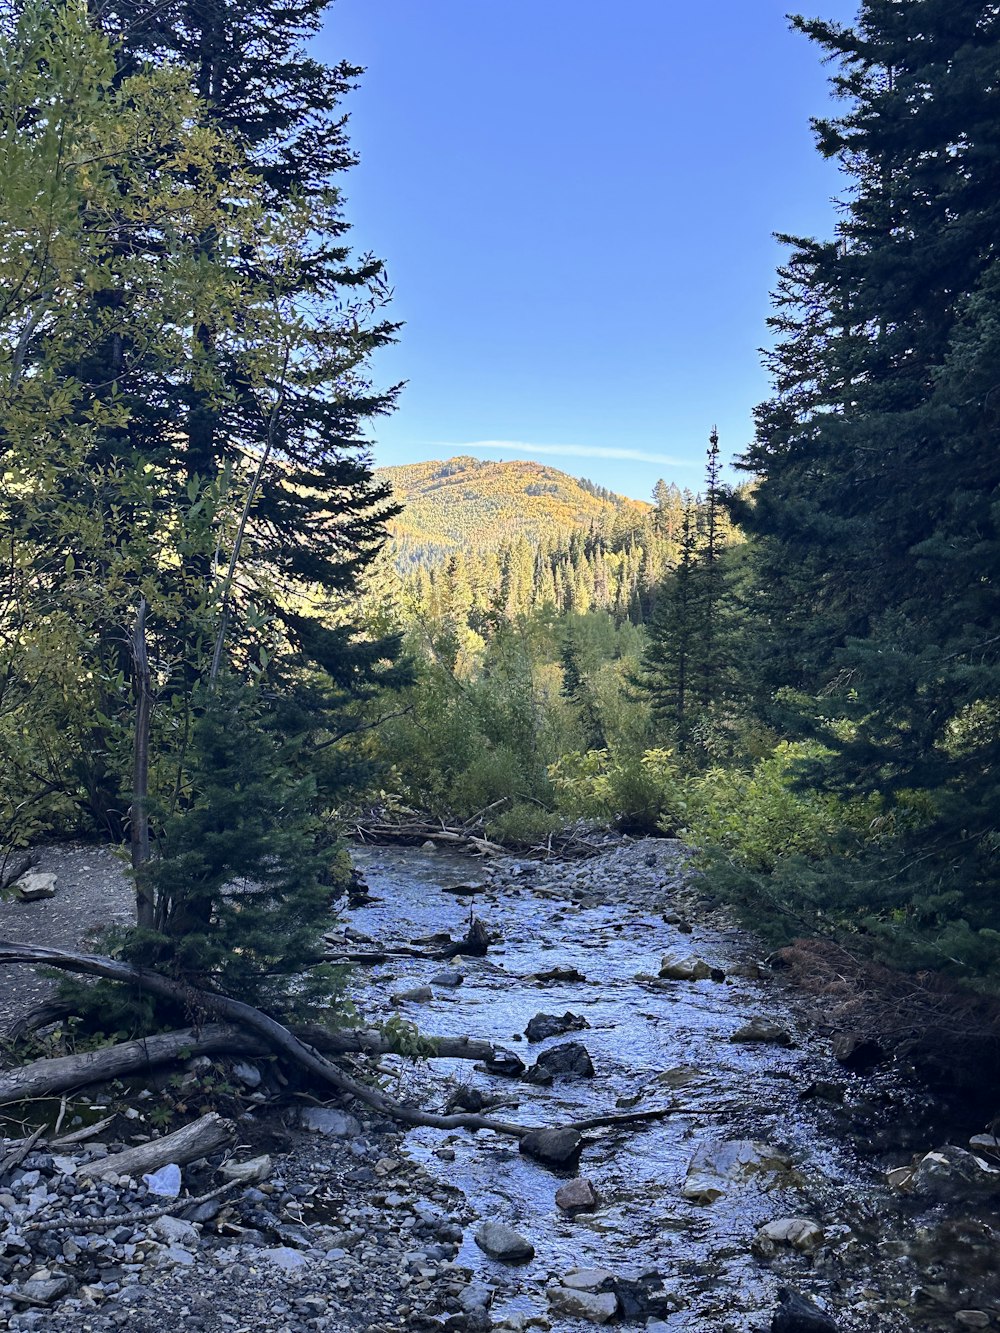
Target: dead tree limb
[209,1134]
[278,1038]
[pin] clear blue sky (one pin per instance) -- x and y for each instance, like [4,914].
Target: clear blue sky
[575,202]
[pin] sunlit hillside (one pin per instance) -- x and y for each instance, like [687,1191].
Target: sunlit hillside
[472,503]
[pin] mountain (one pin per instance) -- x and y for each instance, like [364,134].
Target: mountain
[475,503]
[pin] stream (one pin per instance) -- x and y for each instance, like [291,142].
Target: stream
[825,1137]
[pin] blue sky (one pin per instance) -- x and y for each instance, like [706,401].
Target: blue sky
[575,202]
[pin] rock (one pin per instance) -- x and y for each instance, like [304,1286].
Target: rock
[462,890]
[476,1296]
[900,1178]
[165,1182]
[285,1257]
[248,1075]
[801,1233]
[571,1059]
[418,995]
[449,979]
[587,1279]
[429,846]
[553,1147]
[504,1243]
[823,1090]
[798,1314]
[251,1172]
[760,1030]
[47,1289]
[466,1099]
[953,1173]
[674,967]
[855,1051]
[985,1145]
[31,887]
[643,1298]
[543,1026]
[176,1232]
[972,1318]
[576,1196]
[175,1256]
[566,974]
[333,1124]
[716,1166]
[595,1307]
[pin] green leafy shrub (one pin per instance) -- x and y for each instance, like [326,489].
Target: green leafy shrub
[643,793]
[759,818]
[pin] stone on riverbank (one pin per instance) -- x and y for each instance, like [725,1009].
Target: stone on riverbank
[674,967]
[759,1030]
[332,1123]
[504,1243]
[953,1173]
[595,1307]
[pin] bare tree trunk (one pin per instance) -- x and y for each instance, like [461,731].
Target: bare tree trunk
[139,819]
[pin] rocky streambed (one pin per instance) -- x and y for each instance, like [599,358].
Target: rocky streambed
[770,1171]
[774,1188]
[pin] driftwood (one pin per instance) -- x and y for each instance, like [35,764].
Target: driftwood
[129,1219]
[471,834]
[280,1039]
[474,944]
[201,1138]
[20,1151]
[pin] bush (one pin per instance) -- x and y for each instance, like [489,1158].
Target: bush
[643,794]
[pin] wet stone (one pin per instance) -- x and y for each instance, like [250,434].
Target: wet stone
[759,1030]
[570,1059]
[504,1243]
[543,1026]
[331,1123]
[576,1196]
[594,1307]
[554,1147]
[799,1314]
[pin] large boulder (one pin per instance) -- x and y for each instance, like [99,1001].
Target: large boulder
[543,1026]
[855,1051]
[570,1059]
[593,1306]
[677,967]
[952,1173]
[717,1166]
[553,1147]
[37,884]
[504,1243]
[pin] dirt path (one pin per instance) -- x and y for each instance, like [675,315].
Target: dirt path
[93,891]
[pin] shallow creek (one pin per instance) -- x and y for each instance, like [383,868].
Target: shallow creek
[888,1262]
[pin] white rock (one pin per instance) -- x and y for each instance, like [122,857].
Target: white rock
[35,885]
[801,1233]
[334,1124]
[166,1181]
[247,1173]
[715,1167]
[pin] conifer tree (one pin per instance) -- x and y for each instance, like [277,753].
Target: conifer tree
[877,533]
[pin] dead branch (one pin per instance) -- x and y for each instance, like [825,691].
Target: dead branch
[204,1136]
[277,1037]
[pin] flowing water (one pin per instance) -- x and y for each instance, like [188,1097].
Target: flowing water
[888,1262]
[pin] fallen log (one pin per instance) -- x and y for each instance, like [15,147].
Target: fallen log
[63,1073]
[201,1138]
[278,1038]
[474,944]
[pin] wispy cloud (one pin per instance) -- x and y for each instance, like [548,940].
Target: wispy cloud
[563,451]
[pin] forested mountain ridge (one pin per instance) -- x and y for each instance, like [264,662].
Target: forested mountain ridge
[465,502]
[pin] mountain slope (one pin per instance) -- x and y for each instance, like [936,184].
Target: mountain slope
[472,503]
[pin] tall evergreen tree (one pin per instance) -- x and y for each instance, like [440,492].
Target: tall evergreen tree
[876,516]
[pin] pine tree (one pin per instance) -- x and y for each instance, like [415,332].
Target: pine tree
[877,531]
